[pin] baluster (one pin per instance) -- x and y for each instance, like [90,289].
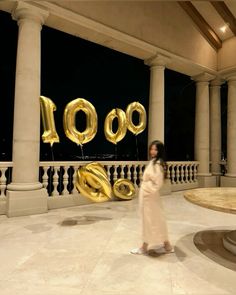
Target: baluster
[3,181]
[129,172]
[195,173]
[168,171]
[181,173]
[74,191]
[172,173]
[65,180]
[135,175]
[191,173]
[122,172]
[55,181]
[177,174]
[186,173]
[109,172]
[115,174]
[45,176]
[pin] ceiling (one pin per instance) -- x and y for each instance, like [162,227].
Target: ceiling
[215,19]
[210,17]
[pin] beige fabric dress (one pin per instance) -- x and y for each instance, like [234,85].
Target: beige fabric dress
[154,228]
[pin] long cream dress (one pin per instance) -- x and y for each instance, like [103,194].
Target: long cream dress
[154,228]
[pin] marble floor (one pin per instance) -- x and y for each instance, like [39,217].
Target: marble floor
[85,250]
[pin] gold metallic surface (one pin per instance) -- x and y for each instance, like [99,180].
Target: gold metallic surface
[47,108]
[93,167]
[136,106]
[124,189]
[122,126]
[69,117]
[92,182]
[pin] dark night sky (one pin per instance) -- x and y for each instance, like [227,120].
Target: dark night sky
[72,68]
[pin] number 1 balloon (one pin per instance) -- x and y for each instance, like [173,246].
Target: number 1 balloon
[47,108]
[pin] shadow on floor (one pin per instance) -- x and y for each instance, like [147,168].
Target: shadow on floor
[82,220]
[210,244]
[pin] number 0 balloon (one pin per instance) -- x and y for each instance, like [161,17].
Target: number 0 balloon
[124,189]
[136,106]
[92,182]
[69,117]
[117,136]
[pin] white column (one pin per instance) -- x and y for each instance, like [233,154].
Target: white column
[229,240]
[231,128]
[201,143]
[156,114]
[215,126]
[202,128]
[25,193]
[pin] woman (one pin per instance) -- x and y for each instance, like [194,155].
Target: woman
[154,229]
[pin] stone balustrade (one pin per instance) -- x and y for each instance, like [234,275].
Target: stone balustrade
[59,177]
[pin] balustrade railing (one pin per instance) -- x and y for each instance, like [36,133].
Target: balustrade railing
[5,176]
[182,175]
[59,178]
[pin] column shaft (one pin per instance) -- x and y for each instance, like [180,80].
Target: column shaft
[26,131]
[215,129]
[25,194]
[231,129]
[202,128]
[156,128]
[27,109]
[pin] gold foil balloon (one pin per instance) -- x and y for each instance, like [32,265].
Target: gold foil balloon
[92,182]
[69,117]
[122,126]
[136,106]
[47,108]
[124,189]
[95,167]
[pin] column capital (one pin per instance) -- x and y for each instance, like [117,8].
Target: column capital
[229,74]
[218,81]
[25,11]
[157,60]
[231,78]
[203,77]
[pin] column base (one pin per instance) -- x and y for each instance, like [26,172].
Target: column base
[24,186]
[229,241]
[207,181]
[227,181]
[20,203]
[217,175]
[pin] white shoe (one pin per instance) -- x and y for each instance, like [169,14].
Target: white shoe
[164,251]
[138,251]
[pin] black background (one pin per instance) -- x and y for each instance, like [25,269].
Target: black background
[73,68]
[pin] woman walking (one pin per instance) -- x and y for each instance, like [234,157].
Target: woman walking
[154,228]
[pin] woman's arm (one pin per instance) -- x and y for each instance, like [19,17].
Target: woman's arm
[156,179]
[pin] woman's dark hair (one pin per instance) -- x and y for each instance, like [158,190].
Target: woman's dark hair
[161,155]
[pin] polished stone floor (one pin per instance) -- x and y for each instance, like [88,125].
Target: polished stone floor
[85,250]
